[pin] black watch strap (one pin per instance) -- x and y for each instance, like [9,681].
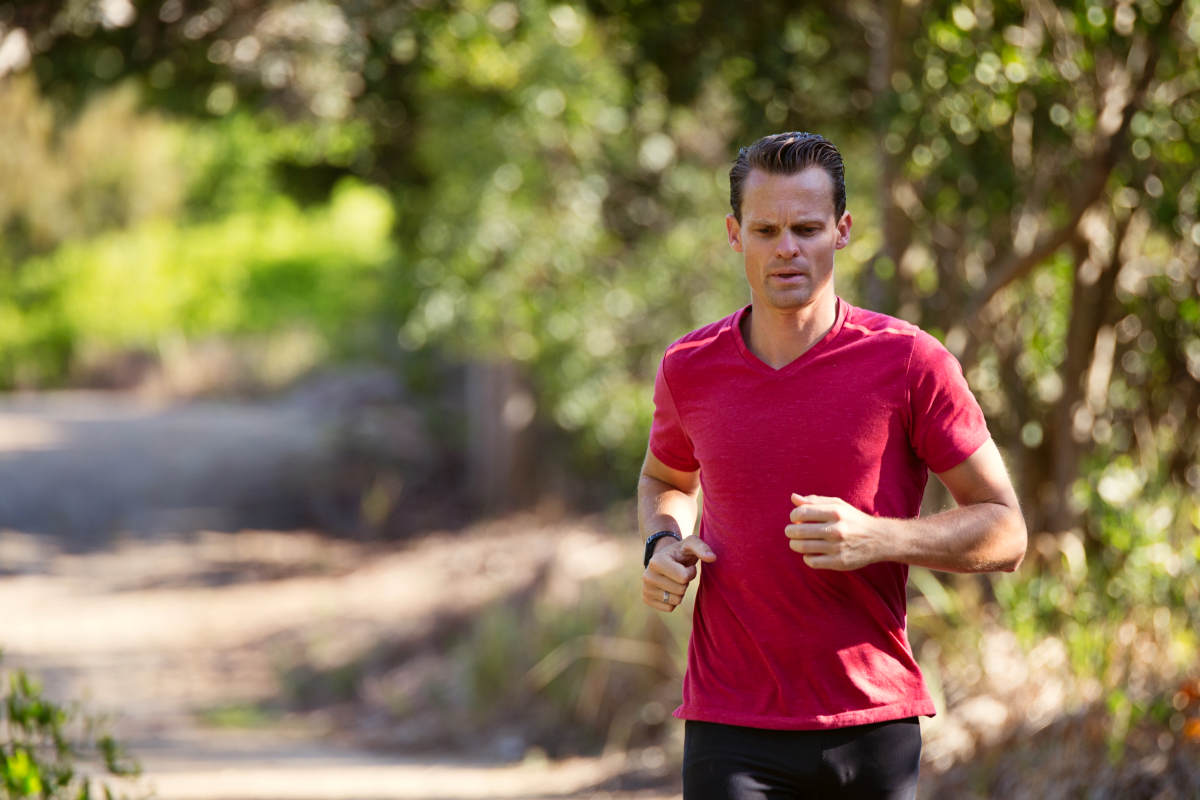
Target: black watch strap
[652,541]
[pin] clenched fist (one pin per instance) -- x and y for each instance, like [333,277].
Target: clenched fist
[832,534]
[671,569]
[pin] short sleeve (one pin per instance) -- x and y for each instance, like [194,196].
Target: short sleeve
[668,441]
[946,424]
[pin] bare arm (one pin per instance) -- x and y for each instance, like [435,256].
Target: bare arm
[667,502]
[666,498]
[985,533]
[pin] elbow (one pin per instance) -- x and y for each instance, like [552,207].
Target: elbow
[1016,542]
[1013,563]
[1006,542]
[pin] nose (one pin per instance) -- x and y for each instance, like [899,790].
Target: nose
[789,245]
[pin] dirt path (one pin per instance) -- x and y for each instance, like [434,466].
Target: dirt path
[84,467]
[124,592]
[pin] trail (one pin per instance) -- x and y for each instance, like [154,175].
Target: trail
[134,585]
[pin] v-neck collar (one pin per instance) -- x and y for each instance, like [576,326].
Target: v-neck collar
[757,363]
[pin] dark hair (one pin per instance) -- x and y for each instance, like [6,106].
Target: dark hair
[787,154]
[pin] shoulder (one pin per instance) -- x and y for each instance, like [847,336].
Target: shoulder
[919,349]
[866,323]
[880,332]
[703,341]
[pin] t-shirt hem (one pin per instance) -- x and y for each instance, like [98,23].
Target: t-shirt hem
[965,450]
[845,719]
[673,462]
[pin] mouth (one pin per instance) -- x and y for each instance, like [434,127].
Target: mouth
[789,274]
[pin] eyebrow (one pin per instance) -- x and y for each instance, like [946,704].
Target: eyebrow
[771,223]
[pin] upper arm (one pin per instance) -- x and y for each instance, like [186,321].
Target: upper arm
[981,478]
[687,482]
[945,420]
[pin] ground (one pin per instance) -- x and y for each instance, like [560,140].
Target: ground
[141,596]
[156,565]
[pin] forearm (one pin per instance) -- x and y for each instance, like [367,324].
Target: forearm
[980,537]
[663,507]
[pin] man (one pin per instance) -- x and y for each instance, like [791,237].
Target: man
[811,426]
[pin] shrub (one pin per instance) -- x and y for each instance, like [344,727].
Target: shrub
[48,750]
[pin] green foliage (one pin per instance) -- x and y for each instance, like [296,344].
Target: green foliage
[48,750]
[558,170]
[1127,608]
[244,161]
[111,166]
[1022,179]
[258,270]
[1146,558]
[240,716]
[565,226]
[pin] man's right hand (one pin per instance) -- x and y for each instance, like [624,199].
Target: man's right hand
[671,569]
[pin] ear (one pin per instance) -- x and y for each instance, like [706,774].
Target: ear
[734,230]
[843,229]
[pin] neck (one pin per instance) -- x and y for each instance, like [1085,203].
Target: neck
[780,336]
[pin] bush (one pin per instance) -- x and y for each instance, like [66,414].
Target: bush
[46,748]
[254,272]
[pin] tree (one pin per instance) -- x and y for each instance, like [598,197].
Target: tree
[1024,168]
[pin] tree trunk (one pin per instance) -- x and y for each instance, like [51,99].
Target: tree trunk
[500,411]
[1091,298]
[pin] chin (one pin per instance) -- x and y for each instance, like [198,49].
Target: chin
[789,302]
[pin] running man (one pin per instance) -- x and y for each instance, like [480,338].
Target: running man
[811,426]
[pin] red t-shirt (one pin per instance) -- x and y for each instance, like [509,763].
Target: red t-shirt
[862,415]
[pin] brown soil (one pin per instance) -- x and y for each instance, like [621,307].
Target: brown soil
[137,592]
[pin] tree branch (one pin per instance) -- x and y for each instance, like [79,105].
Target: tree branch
[1016,266]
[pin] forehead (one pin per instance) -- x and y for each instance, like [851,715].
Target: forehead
[808,192]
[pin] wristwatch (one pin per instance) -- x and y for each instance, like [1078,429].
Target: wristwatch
[652,541]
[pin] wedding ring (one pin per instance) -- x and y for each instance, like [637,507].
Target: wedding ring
[666,597]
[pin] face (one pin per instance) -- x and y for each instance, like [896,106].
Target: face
[788,235]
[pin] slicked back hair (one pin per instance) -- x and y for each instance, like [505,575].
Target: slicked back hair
[787,154]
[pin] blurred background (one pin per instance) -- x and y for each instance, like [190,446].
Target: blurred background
[328,332]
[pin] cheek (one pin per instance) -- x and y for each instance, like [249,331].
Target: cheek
[766,249]
[824,249]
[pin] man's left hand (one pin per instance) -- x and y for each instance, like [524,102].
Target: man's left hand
[832,534]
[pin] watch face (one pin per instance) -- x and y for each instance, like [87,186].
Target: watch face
[652,542]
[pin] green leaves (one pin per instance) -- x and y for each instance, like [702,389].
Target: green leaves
[255,272]
[556,174]
[42,742]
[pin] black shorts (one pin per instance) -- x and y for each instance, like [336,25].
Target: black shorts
[730,762]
